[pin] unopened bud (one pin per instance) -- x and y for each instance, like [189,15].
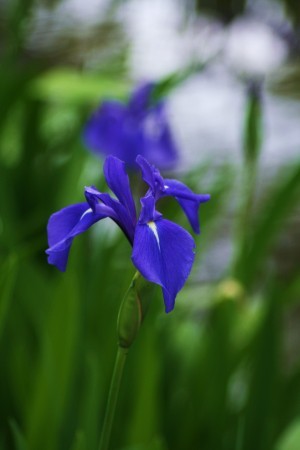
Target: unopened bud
[133,310]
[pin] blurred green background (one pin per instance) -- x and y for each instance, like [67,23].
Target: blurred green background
[221,372]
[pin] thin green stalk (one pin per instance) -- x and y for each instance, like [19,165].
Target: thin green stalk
[252,148]
[113,397]
[132,311]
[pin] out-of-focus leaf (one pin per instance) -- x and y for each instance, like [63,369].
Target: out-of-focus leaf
[79,442]
[7,278]
[293,8]
[292,292]
[270,218]
[70,86]
[252,138]
[253,124]
[141,427]
[224,9]
[263,385]
[93,394]
[16,15]
[156,444]
[55,372]
[18,437]
[290,438]
[13,82]
[164,86]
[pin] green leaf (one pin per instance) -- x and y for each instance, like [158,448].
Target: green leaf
[55,370]
[253,124]
[7,278]
[171,81]
[270,220]
[290,438]
[79,441]
[264,383]
[70,86]
[18,437]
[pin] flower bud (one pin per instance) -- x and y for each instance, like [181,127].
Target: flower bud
[133,309]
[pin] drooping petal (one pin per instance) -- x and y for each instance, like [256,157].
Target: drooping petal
[188,200]
[62,222]
[67,223]
[164,254]
[118,181]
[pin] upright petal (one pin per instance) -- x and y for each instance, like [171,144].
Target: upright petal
[118,181]
[159,145]
[92,197]
[125,130]
[139,101]
[151,176]
[67,223]
[148,211]
[157,142]
[164,253]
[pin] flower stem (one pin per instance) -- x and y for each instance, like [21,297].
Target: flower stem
[113,397]
[131,313]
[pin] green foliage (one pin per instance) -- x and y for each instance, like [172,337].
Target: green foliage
[290,439]
[68,86]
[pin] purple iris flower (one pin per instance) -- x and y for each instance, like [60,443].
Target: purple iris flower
[163,252]
[127,130]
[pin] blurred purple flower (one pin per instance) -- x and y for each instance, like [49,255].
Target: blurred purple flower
[163,252]
[127,130]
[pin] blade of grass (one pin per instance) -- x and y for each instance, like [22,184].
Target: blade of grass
[55,371]
[7,278]
[270,219]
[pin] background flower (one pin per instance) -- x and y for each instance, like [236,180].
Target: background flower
[138,127]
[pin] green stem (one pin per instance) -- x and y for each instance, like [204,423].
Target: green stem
[243,229]
[132,311]
[113,397]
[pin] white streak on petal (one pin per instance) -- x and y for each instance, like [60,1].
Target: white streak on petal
[88,211]
[153,228]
